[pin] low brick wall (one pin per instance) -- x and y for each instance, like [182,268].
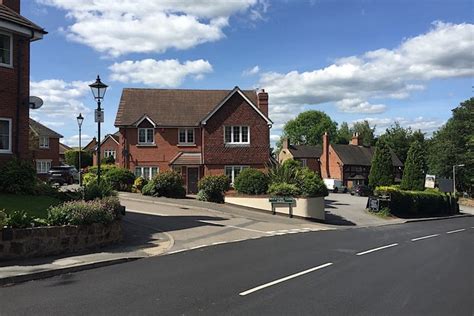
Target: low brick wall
[54,240]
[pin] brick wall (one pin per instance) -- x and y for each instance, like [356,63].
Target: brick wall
[9,96]
[236,112]
[109,144]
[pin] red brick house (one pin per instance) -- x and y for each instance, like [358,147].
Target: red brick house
[108,147]
[62,153]
[308,156]
[44,147]
[90,147]
[195,132]
[16,33]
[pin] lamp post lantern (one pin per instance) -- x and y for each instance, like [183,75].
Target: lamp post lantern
[454,177]
[80,119]
[98,91]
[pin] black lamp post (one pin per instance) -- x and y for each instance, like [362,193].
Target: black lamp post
[80,119]
[98,90]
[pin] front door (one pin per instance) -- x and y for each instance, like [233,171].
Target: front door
[193,177]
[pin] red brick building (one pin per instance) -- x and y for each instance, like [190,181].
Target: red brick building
[109,147]
[44,147]
[308,156]
[195,132]
[16,33]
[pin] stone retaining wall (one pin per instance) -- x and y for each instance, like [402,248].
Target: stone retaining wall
[54,240]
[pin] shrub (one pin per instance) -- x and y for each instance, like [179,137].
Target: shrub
[17,177]
[168,184]
[381,171]
[415,166]
[284,189]
[45,189]
[88,178]
[110,160]
[138,184]
[251,181]
[81,213]
[104,169]
[112,204]
[311,184]
[72,158]
[96,190]
[3,219]
[149,189]
[213,188]
[18,219]
[287,172]
[120,179]
[418,203]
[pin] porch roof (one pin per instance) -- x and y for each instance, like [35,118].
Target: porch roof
[190,159]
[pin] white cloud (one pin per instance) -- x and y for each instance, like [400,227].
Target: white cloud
[426,125]
[143,26]
[162,73]
[443,52]
[251,71]
[73,141]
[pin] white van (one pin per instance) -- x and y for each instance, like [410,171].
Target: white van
[335,185]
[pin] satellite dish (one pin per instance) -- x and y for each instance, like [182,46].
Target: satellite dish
[35,103]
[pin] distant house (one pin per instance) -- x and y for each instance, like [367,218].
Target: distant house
[44,147]
[109,147]
[62,153]
[16,34]
[90,147]
[307,155]
[194,132]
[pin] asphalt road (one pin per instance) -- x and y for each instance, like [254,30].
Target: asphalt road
[423,268]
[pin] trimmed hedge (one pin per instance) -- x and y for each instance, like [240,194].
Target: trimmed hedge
[251,181]
[418,203]
[120,179]
[167,184]
[17,177]
[212,188]
[311,184]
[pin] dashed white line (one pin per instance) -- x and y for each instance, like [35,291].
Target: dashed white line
[456,231]
[284,279]
[375,249]
[425,237]
[236,227]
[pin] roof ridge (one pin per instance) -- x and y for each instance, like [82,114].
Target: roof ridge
[186,89]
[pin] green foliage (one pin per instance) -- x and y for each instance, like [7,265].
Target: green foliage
[138,184]
[120,179]
[283,189]
[381,171]
[88,178]
[212,188]
[17,177]
[83,212]
[415,166]
[251,181]
[110,160]
[365,131]
[97,190]
[399,139]
[104,169]
[453,144]
[344,134]
[287,172]
[3,219]
[18,219]
[309,127]
[311,184]
[418,203]
[167,184]
[72,158]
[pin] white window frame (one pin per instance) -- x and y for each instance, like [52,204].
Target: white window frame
[304,162]
[9,149]
[147,131]
[141,171]
[240,142]
[233,167]
[43,166]
[186,142]
[110,152]
[44,142]
[10,65]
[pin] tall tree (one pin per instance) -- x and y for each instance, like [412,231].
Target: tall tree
[366,133]
[415,168]
[309,127]
[399,139]
[452,145]
[344,134]
[381,170]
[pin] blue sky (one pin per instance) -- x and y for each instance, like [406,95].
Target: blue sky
[410,61]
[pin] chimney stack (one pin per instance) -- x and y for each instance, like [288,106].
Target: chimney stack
[356,139]
[262,101]
[285,143]
[12,4]
[325,173]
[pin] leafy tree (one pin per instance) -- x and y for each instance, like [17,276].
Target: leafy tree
[453,144]
[72,158]
[309,127]
[415,167]
[381,171]
[344,134]
[399,139]
[366,133]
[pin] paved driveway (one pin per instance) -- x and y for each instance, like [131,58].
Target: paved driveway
[347,210]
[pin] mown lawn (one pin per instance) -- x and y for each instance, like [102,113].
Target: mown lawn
[35,206]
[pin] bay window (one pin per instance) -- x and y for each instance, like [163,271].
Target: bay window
[146,172]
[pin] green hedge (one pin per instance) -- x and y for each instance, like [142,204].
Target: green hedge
[284,189]
[72,158]
[17,177]
[251,181]
[212,188]
[167,184]
[418,203]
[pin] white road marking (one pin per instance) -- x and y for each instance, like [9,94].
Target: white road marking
[177,251]
[284,279]
[456,231]
[236,227]
[375,249]
[425,237]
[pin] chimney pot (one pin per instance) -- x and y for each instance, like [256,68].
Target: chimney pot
[262,101]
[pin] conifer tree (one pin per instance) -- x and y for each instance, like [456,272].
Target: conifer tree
[381,171]
[415,166]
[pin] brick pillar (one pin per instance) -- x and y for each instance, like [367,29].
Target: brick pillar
[325,157]
[355,140]
[12,4]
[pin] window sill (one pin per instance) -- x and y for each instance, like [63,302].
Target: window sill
[6,66]
[5,152]
[186,145]
[146,145]
[237,145]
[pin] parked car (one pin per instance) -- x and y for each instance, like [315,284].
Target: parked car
[63,175]
[335,185]
[361,190]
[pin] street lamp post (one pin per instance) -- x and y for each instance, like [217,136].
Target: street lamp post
[80,119]
[98,90]
[454,177]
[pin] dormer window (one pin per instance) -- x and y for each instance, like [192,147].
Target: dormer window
[146,136]
[44,142]
[5,50]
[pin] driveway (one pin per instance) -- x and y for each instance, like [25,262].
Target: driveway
[347,210]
